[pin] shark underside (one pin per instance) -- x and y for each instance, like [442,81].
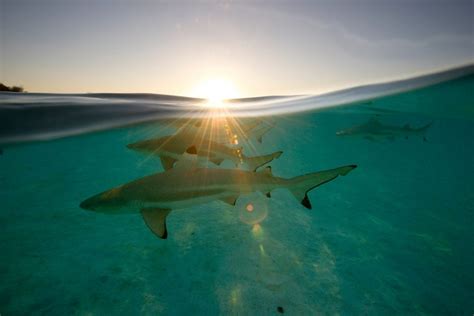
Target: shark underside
[156,195]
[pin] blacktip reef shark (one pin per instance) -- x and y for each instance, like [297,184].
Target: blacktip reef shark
[171,148]
[374,130]
[156,195]
[220,128]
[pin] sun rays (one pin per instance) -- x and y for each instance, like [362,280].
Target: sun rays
[208,126]
[215,92]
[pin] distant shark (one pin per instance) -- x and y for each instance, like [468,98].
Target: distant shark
[171,148]
[374,130]
[156,195]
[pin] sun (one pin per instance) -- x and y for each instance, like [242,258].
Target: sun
[216,91]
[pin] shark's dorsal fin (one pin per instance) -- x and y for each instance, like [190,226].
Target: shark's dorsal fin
[155,219]
[167,162]
[192,150]
[267,170]
[230,200]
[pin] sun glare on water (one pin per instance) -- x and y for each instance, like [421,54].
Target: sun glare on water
[216,91]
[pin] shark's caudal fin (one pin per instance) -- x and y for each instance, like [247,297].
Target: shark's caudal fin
[300,186]
[262,131]
[422,130]
[155,219]
[254,162]
[425,127]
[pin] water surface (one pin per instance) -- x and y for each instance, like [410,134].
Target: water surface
[392,237]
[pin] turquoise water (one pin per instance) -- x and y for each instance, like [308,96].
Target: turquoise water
[392,237]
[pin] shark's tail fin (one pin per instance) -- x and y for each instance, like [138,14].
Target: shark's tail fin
[425,127]
[300,186]
[422,130]
[262,131]
[254,162]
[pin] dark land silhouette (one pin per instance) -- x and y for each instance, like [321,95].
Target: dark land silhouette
[11,89]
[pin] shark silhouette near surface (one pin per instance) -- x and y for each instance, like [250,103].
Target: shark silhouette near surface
[219,129]
[156,195]
[171,148]
[374,130]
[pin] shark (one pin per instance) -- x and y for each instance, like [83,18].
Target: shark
[156,195]
[374,130]
[171,148]
[219,129]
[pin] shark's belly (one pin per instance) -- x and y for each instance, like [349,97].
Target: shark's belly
[184,201]
[181,189]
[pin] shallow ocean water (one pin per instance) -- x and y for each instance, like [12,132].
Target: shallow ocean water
[392,237]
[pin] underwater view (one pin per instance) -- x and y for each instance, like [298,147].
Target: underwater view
[358,201]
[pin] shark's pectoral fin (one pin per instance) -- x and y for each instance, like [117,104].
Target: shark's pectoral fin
[167,162]
[155,219]
[268,194]
[267,170]
[230,200]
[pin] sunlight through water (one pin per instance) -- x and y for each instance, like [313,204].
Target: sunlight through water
[216,91]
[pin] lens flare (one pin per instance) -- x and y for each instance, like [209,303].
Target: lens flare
[249,207]
[254,211]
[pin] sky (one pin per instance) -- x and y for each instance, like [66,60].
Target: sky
[259,48]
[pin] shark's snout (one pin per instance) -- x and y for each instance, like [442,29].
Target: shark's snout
[87,205]
[142,146]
